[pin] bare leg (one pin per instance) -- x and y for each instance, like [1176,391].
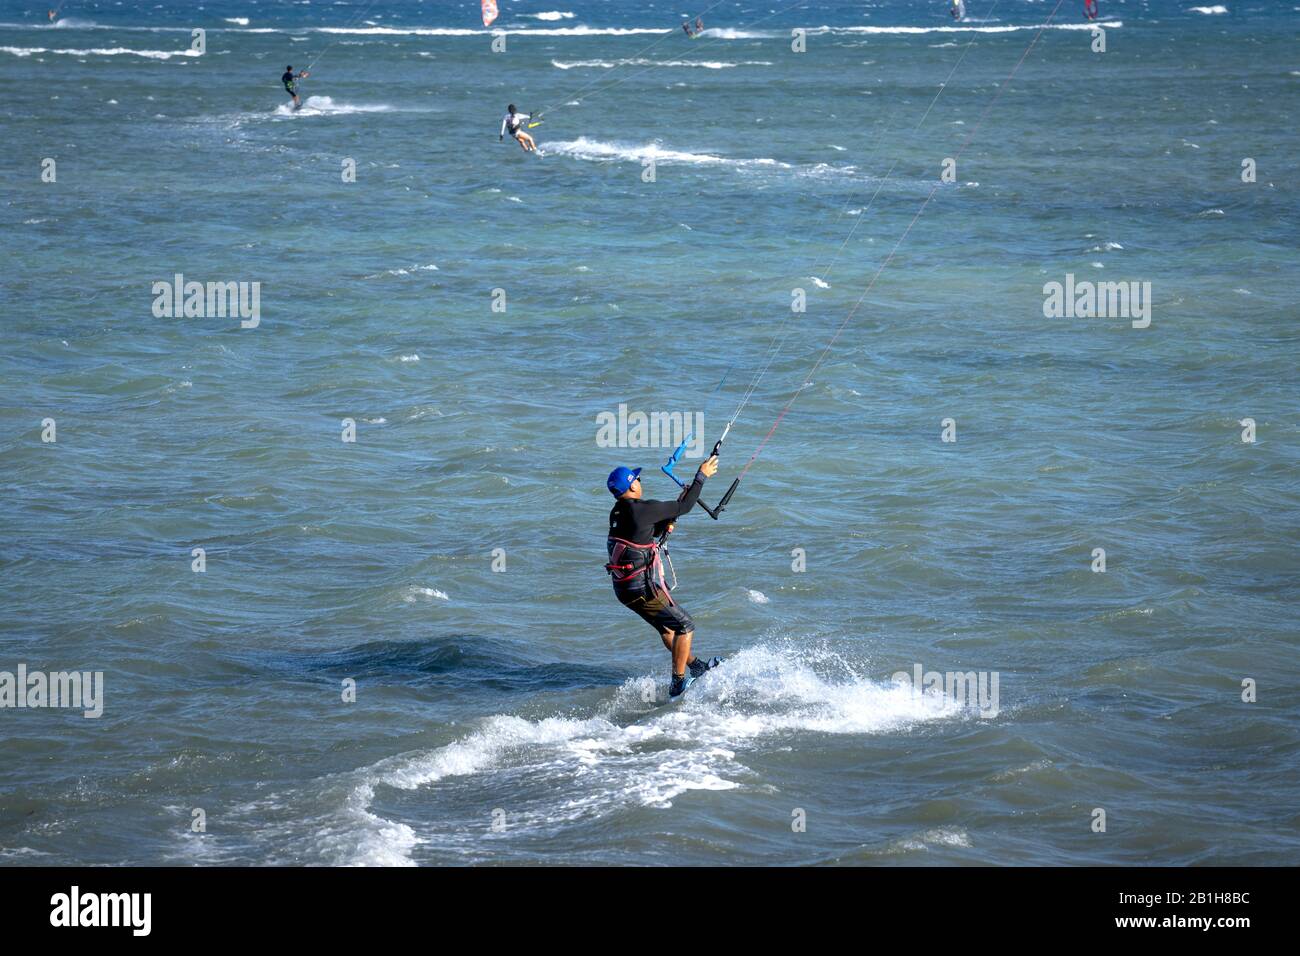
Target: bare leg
[682,652]
[669,637]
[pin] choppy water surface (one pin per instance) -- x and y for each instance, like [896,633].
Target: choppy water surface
[519,715]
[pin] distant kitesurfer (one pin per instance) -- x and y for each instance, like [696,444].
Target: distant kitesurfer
[290,81]
[53,14]
[1090,8]
[699,25]
[513,123]
[635,526]
[687,28]
[958,9]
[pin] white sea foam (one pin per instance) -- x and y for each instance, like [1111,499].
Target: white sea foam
[728,33]
[404,272]
[1218,8]
[25,51]
[627,755]
[362,838]
[712,33]
[909,31]
[591,149]
[577,31]
[642,61]
[938,837]
[375,29]
[325,106]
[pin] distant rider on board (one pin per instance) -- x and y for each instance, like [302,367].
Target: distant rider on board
[513,123]
[290,81]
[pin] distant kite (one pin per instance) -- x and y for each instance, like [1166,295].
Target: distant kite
[489,12]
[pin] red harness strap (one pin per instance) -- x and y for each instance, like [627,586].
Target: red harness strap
[654,568]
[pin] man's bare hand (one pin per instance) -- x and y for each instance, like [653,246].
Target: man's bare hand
[710,467]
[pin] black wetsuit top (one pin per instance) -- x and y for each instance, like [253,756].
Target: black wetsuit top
[288,81]
[642,521]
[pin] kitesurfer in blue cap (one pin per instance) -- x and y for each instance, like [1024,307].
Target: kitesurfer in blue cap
[635,527]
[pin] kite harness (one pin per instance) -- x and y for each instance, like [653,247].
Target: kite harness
[628,560]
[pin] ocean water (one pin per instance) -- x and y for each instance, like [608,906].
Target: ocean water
[449,559]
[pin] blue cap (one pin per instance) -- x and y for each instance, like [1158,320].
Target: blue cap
[620,479]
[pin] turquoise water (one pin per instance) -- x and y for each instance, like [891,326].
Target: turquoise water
[501,715]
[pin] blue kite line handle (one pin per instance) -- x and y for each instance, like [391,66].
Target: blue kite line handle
[667,468]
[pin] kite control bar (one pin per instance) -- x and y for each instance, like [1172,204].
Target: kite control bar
[676,457]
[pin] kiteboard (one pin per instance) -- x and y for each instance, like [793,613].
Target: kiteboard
[714,662]
[689,681]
